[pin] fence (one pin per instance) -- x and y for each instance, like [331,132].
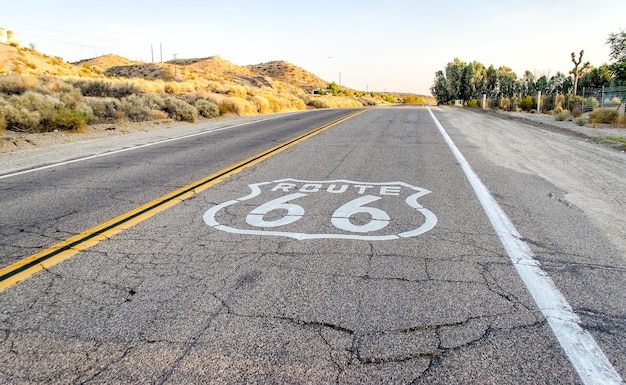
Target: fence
[588,100]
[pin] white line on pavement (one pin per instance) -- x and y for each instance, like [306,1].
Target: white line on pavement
[587,358]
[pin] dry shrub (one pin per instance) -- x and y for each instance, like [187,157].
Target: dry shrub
[238,92]
[228,105]
[604,116]
[180,110]
[330,102]
[20,119]
[136,108]
[56,85]
[216,87]
[207,109]
[158,114]
[17,84]
[33,101]
[66,119]
[176,88]
[106,88]
[262,104]
[3,121]
[149,86]
[105,110]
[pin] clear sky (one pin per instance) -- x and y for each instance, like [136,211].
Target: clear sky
[375,45]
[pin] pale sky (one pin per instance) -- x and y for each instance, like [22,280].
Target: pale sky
[375,45]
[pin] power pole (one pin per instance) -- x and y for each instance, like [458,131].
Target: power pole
[175,65]
[152,52]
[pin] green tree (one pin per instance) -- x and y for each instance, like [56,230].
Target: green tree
[597,77]
[491,82]
[617,43]
[439,88]
[507,82]
[454,75]
[528,84]
[542,84]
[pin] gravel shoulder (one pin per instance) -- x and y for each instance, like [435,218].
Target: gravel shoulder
[570,157]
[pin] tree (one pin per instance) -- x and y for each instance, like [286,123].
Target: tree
[578,71]
[617,42]
[491,82]
[529,85]
[507,82]
[597,77]
[542,84]
[454,75]
[440,88]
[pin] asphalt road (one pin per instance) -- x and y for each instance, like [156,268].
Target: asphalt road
[361,254]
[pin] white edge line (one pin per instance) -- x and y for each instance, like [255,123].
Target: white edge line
[135,147]
[581,349]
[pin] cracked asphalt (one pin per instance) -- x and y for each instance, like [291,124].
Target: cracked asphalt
[176,300]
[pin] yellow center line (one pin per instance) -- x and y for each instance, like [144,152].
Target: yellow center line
[29,266]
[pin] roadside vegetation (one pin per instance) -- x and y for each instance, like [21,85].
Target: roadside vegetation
[587,94]
[39,93]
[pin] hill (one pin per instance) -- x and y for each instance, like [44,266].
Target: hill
[43,93]
[22,60]
[289,73]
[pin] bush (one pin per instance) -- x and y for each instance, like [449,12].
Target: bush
[3,121]
[262,104]
[207,109]
[178,87]
[574,104]
[581,121]
[136,109]
[604,115]
[505,104]
[104,88]
[16,84]
[105,110]
[20,119]
[472,103]
[66,119]
[527,103]
[180,110]
[561,116]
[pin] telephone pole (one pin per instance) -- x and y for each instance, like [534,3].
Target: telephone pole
[175,65]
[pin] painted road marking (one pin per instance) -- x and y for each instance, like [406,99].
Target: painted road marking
[25,268]
[363,208]
[587,358]
[133,148]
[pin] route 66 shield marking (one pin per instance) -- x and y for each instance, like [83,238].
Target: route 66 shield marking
[338,209]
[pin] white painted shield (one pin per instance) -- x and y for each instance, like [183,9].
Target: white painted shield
[339,209]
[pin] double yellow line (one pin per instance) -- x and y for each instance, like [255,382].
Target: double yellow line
[29,266]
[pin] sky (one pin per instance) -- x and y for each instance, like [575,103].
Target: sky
[394,46]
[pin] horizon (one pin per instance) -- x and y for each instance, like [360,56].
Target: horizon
[366,47]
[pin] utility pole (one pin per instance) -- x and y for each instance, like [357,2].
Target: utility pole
[175,65]
[339,79]
[152,52]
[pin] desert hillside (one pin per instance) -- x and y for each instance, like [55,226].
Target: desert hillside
[40,93]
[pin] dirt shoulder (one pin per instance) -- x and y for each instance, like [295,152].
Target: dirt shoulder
[590,174]
[597,132]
